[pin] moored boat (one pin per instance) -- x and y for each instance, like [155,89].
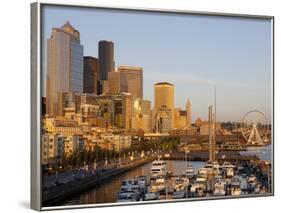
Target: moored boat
[219,188]
[180,187]
[151,194]
[158,184]
[189,172]
[158,168]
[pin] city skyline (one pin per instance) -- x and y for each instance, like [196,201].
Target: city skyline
[246,91]
[136,106]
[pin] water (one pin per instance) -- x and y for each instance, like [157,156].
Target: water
[106,192]
[263,152]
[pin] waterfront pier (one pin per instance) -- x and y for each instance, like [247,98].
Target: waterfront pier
[90,180]
[230,156]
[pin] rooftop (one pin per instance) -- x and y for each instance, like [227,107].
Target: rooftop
[163,84]
[128,68]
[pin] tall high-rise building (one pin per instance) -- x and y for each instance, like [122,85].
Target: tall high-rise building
[128,110]
[91,75]
[163,95]
[179,118]
[114,82]
[106,58]
[131,80]
[141,114]
[163,120]
[146,107]
[188,112]
[163,106]
[64,66]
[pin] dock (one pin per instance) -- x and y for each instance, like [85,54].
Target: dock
[61,192]
[230,156]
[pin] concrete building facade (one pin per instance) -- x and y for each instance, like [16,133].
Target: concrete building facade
[131,80]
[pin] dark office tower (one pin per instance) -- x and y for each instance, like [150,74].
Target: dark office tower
[106,58]
[91,75]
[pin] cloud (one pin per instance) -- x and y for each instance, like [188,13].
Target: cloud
[192,79]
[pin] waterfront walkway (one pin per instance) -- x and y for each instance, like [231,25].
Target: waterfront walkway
[59,187]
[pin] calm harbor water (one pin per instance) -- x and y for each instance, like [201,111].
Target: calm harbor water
[106,192]
[263,152]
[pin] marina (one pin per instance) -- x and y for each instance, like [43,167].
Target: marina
[209,180]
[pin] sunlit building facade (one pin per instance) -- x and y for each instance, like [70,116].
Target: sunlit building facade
[163,102]
[64,65]
[163,95]
[131,80]
[188,112]
[114,82]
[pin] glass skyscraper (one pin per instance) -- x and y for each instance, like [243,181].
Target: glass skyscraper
[64,66]
[106,58]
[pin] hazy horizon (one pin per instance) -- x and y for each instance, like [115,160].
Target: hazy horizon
[194,52]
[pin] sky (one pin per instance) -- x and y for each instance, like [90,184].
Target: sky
[196,53]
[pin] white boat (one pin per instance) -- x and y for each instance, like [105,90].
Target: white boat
[143,183]
[201,181]
[235,184]
[129,191]
[216,168]
[158,168]
[203,172]
[219,188]
[235,181]
[189,172]
[200,190]
[180,187]
[216,165]
[126,196]
[235,191]
[193,188]
[229,172]
[209,167]
[151,195]
[257,188]
[227,165]
[212,167]
[252,181]
[159,184]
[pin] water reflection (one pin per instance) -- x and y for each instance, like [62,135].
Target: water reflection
[263,152]
[106,192]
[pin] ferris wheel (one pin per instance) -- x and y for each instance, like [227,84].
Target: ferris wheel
[254,127]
